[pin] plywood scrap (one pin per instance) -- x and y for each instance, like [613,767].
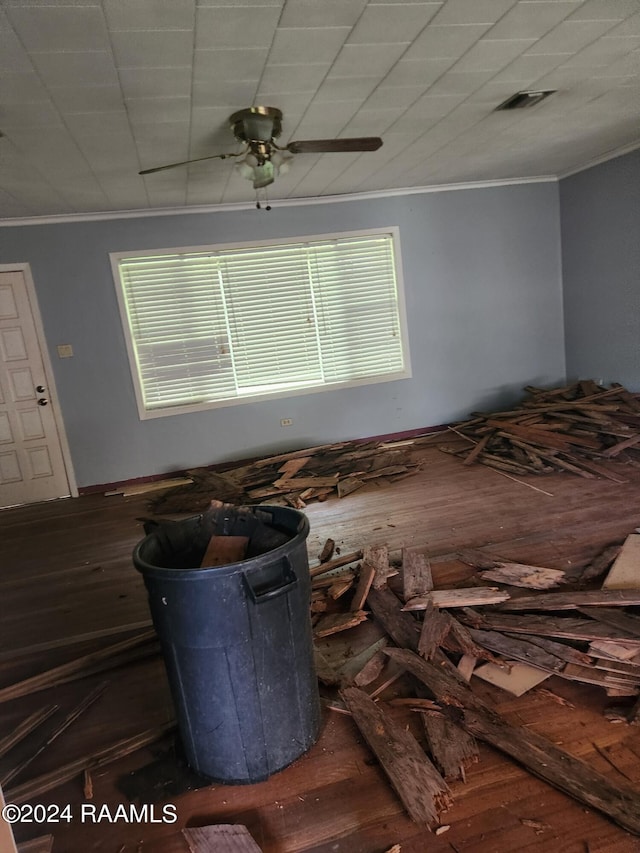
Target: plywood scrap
[452,748]
[470,597]
[333,623]
[223,550]
[422,790]
[518,678]
[520,574]
[619,802]
[48,781]
[416,573]
[625,571]
[221,838]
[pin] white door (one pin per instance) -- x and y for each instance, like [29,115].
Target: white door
[32,465]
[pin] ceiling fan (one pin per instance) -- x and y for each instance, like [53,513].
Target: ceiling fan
[262,159]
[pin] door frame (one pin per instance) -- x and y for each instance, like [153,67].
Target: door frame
[25,269]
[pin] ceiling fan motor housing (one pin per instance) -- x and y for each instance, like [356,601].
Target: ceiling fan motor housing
[256,124]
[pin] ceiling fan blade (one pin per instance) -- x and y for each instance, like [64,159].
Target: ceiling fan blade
[186,163]
[320,146]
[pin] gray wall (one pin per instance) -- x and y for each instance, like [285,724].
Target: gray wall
[601,271]
[483,293]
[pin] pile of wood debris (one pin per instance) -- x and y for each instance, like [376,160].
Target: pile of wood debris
[294,478]
[573,428]
[502,634]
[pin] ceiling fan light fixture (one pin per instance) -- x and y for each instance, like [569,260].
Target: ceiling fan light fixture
[524,100]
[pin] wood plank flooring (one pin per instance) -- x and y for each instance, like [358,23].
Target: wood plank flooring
[66,579]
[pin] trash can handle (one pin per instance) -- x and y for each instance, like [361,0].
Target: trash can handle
[287,582]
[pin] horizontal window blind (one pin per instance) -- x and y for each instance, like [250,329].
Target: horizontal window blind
[214,327]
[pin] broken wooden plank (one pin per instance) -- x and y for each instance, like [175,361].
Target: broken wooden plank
[621,803]
[401,627]
[466,666]
[291,467]
[377,556]
[422,790]
[365,579]
[76,668]
[25,727]
[600,563]
[41,784]
[327,551]
[469,597]
[61,727]
[220,838]
[591,675]
[625,571]
[336,563]
[416,573]
[512,648]
[347,485]
[223,550]
[435,627]
[520,574]
[562,627]
[333,623]
[371,670]
[560,650]
[624,622]
[451,747]
[575,600]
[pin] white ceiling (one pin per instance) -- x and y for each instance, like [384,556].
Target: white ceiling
[92,91]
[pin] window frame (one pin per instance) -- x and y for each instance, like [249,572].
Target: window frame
[165,411]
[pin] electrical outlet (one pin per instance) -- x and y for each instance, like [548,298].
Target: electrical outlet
[286,422]
[65,351]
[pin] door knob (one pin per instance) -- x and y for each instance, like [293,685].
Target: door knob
[43,401]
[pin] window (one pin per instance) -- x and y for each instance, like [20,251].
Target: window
[222,325]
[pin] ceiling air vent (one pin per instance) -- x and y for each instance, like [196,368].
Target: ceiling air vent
[524,100]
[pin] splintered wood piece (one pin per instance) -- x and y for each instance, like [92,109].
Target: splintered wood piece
[621,803]
[435,627]
[477,559]
[371,670]
[61,727]
[377,556]
[348,485]
[333,623]
[513,648]
[459,640]
[478,449]
[591,675]
[338,589]
[223,550]
[470,597]
[292,466]
[222,838]
[563,627]
[423,791]
[466,666]
[299,483]
[600,563]
[41,784]
[625,572]
[416,573]
[401,627]
[519,574]
[327,551]
[518,680]
[451,747]
[575,600]
[625,623]
[74,669]
[24,728]
[559,650]
[337,563]
[365,579]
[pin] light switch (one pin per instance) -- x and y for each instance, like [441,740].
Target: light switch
[65,351]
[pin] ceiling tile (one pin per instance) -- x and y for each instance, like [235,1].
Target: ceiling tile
[86,99]
[77,68]
[345,88]
[148,49]
[33,114]
[528,68]
[571,36]
[414,72]
[158,110]
[375,58]
[323,120]
[445,42]
[604,51]
[155,82]
[463,83]
[232,94]
[235,27]
[297,45]
[88,124]
[476,12]
[386,97]
[399,22]
[605,10]
[13,57]
[221,64]
[490,55]
[21,88]
[293,78]
[532,19]
[50,28]
[149,14]
[310,13]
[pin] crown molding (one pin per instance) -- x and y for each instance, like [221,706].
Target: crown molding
[64,218]
[604,158]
